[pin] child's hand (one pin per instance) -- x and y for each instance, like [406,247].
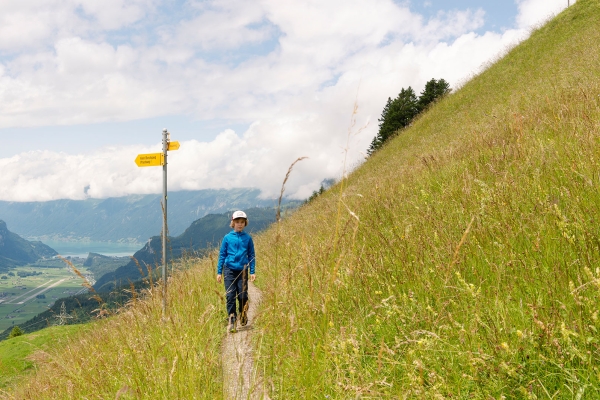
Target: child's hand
[219,278]
[252,277]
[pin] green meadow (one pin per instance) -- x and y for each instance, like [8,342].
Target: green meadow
[20,356]
[136,353]
[460,261]
[22,298]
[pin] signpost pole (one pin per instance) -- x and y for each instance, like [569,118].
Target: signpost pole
[154,160]
[165,143]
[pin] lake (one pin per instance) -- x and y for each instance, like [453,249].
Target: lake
[81,249]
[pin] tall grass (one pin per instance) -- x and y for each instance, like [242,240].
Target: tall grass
[19,355]
[465,260]
[137,354]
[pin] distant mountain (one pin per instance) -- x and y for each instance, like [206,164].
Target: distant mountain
[123,219]
[203,234]
[16,251]
[99,264]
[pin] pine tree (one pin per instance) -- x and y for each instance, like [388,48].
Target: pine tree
[378,139]
[404,109]
[433,90]
[397,114]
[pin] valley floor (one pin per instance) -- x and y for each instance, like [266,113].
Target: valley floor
[22,298]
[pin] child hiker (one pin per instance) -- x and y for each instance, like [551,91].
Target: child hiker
[236,257]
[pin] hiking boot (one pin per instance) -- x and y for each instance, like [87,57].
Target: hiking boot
[231,325]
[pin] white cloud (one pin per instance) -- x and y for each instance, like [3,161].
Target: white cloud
[115,14]
[297,97]
[535,12]
[454,23]
[34,24]
[223,25]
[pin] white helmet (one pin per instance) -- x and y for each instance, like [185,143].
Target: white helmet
[239,214]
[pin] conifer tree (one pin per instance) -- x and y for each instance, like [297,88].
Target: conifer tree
[378,139]
[433,90]
[399,113]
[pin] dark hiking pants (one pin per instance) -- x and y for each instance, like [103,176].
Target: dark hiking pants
[236,286]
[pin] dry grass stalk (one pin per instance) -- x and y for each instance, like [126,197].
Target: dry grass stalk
[460,244]
[86,283]
[287,175]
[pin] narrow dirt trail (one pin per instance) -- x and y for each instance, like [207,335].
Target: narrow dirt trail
[240,379]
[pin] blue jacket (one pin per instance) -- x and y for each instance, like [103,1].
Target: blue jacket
[237,251]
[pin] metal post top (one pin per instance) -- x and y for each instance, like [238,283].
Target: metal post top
[165,140]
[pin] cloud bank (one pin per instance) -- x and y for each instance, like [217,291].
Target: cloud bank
[291,70]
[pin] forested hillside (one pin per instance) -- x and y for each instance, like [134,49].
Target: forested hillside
[15,251]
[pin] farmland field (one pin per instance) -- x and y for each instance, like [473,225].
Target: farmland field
[23,297]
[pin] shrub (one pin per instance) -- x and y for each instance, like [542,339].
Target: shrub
[16,331]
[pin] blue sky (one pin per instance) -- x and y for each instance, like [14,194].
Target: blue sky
[499,15]
[246,87]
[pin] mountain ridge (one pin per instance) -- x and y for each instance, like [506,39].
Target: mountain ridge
[202,236]
[131,218]
[16,251]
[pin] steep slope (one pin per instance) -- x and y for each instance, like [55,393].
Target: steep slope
[15,251]
[461,260]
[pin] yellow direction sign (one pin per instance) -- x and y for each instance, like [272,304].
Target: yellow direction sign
[173,146]
[150,160]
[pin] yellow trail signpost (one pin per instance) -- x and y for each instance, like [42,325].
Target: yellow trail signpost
[150,160]
[156,160]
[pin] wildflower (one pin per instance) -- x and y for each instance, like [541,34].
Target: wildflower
[519,334]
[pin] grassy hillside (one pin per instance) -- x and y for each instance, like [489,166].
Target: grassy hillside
[18,356]
[460,261]
[138,354]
